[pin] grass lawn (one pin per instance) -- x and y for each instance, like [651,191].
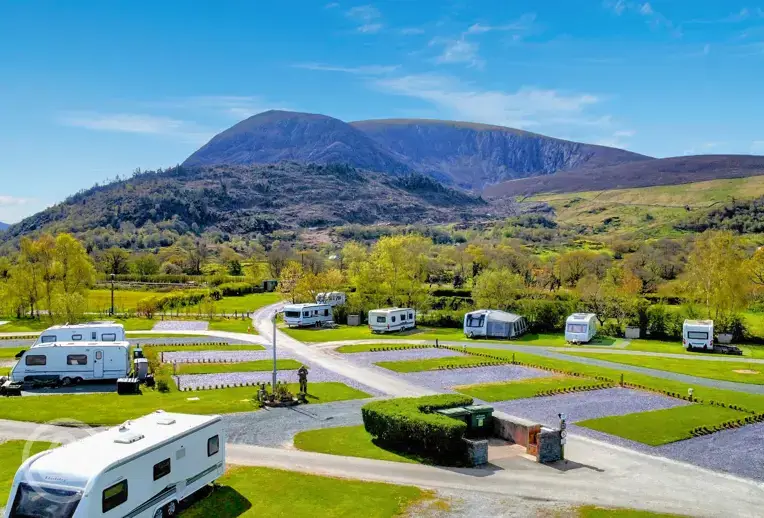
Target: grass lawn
[351,441]
[111,409]
[591,511]
[133,335]
[740,372]
[25,325]
[429,364]
[657,346]
[365,348]
[124,300]
[247,303]
[157,349]
[11,457]
[364,333]
[233,325]
[254,492]
[217,368]
[505,391]
[9,353]
[658,427]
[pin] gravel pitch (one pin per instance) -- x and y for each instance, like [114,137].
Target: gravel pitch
[445,379]
[587,405]
[181,325]
[369,359]
[16,343]
[185,341]
[317,374]
[216,356]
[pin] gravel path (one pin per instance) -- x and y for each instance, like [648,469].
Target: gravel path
[181,325]
[277,427]
[216,356]
[587,405]
[445,379]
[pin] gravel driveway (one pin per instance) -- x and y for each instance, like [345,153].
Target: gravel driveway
[181,325]
[216,356]
[445,379]
[369,359]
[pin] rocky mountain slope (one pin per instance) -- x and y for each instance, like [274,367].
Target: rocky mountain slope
[256,199]
[644,173]
[470,156]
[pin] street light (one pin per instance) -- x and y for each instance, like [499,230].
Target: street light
[275,316]
[112,295]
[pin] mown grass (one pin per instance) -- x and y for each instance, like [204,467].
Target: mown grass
[9,353]
[505,391]
[12,456]
[658,346]
[254,492]
[365,348]
[591,511]
[364,333]
[428,364]
[158,349]
[246,303]
[111,409]
[350,441]
[233,325]
[725,371]
[137,335]
[658,427]
[253,366]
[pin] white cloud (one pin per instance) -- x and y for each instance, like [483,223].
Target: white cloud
[367,17]
[365,70]
[13,209]
[742,15]
[524,23]
[526,108]
[7,201]
[331,5]
[645,9]
[137,123]
[458,51]
[618,139]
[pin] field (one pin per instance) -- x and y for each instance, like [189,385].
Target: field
[351,441]
[127,301]
[662,426]
[11,457]
[218,368]
[364,333]
[505,391]
[111,409]
[739,372]
[246,303]
[232,325]
[255,492]
[429,364]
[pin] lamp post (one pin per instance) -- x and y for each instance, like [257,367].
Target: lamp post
[112,295]
[274,351]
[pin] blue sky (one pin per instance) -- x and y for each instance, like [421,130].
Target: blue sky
[92,89]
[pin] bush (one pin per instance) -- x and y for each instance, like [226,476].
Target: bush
[442,318]
[237,289]
[409,425]
[544,315]
[163,386]
[448,292]
[611,329]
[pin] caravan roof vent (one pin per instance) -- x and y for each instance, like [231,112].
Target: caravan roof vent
[128,438]
[167,421]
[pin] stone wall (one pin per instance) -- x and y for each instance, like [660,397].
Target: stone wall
[477,451]
[511,428]
[550,446]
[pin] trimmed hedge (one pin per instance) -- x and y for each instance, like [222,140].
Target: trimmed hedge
[410,425]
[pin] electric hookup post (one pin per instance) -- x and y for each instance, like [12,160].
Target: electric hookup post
[563,434]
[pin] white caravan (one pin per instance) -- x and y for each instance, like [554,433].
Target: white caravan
[300,315]
[90,332]
[580,328]
[698,334]
[333,298]
[142,469]
[391,319]
[73,362]
[491,323]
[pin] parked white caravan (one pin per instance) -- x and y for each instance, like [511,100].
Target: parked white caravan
[580,328]
[142,469]
[73,362]
[491,323]
[391,319]
[90,332]
[698,334]
[333,298]
[301,315]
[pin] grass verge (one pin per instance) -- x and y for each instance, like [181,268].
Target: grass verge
[11,457]
[739,372]
[364,333]
[428,364]
[233,325]
[253,366]
[254,492]
[658,427]
[506,391]
[366,348]
[350,441]
[591,511]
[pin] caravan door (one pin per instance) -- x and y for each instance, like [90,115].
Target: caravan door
[98,364]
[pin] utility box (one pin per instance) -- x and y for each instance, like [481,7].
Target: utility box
[480,419]
[127,386]
[354,320]
[138,352]
[457,413]
[141,366]
[632,332]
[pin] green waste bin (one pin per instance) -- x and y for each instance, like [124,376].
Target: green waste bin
[457,413]
[479,419]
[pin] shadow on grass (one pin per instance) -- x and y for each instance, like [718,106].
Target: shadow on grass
[220,502]
[407,455]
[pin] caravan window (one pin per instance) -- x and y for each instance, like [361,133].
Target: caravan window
[213,445]
[381,320]
[697,335]
[292,314]
[76,338]
[99,355]
[109,337]
[326,312]
[48,339]
[306,313]
[411,316]
[392,319]
[77,359]
[35,500]
[94,336]
[475,321]
[114,496]
[36,359]
[403,317]
[162,469]
[577,328]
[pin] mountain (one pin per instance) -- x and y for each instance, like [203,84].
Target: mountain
[643,173]
[3,226]
[473,156]
[466,155]
[253,199]
[276,136]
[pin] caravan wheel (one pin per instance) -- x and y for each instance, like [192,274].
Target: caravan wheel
[66,381]
[78,380]
[171,508]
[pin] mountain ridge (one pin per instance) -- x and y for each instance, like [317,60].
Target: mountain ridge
[3,226]
[464,154]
